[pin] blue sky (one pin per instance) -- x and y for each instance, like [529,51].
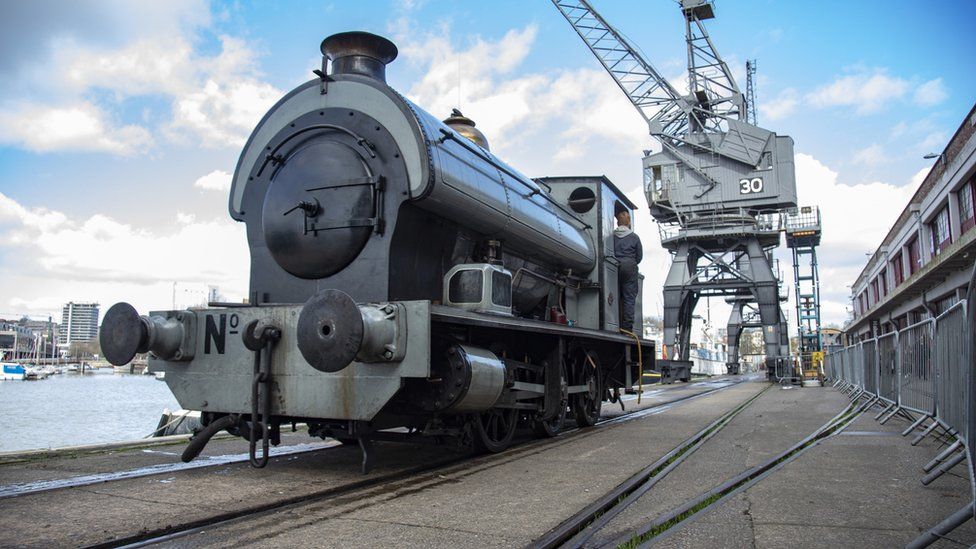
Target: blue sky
[120,121]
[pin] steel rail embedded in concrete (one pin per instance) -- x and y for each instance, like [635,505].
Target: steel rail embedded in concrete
[181,528]
[578,529]
[20,489]
[660,525]
[399,505]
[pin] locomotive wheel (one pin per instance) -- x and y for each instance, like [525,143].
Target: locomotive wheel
[550,428]
[586,406]
[494,429]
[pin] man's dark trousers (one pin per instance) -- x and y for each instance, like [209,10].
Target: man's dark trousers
[627,276]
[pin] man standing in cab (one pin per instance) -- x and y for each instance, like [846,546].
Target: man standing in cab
[627,248]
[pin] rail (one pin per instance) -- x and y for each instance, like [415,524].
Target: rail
[925,373]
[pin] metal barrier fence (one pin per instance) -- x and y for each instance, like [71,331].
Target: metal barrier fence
[925,369]
[869,365]
[888,367]
[952,374]
[916,391]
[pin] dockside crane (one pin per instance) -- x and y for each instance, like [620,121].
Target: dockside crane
[718,187]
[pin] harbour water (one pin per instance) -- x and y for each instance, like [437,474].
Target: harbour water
[70,409]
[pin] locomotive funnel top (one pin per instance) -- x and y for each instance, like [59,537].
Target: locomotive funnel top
[359,52]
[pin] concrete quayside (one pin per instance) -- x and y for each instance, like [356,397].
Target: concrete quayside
[858,484]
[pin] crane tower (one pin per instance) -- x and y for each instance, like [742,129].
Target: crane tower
[717,186]
[751,92]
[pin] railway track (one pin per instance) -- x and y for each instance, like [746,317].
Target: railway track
[583,528]
[26,488]
[393,481]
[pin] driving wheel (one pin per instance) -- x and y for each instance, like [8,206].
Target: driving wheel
[551,427]
[494,429]
[586,405]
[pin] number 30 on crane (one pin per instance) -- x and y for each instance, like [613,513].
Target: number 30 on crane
[750,186]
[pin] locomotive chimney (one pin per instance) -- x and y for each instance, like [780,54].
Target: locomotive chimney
[360,53]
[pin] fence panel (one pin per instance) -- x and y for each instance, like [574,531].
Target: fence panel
[952,368]
[888,367]
[915,346]
[869,363]
[833,361]
[849,365]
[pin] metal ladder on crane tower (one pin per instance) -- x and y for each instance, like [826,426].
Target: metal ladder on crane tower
[803,231]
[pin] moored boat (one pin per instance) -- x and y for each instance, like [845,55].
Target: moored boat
[12,371]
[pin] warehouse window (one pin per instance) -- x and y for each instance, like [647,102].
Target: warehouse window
[914,256]
[897,270]
[967,208]
[939,228]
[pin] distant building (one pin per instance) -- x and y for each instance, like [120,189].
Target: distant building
[832,337]
[16,341]
[79,322]
[924,263]
[653,333]
[46,330]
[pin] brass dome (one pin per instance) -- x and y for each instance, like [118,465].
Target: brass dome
[465,127]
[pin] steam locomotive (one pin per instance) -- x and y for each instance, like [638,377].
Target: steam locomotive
[405,282]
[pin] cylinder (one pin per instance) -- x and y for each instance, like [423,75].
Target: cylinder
[487,379]
[465,379]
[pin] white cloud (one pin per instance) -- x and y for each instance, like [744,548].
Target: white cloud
[848,233]
[77,127]
[223,113]
[101,259]
[931,93]
[782,106]
[216,99]
[144,67]
[222,108]
[842,205]
[217,180]
[569,108]
[872,155]
[867,91]
[916,181]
